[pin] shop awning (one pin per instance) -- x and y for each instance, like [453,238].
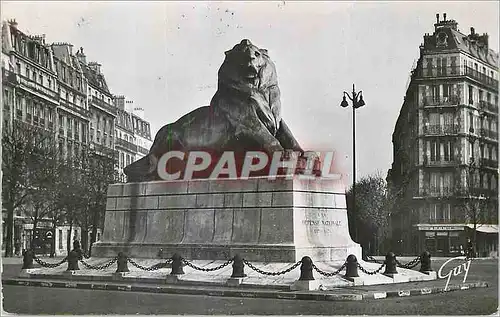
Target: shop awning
[485,228]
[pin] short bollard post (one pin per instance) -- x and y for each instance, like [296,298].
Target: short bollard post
[122,263]
[238,267]
[27,259]
[351,266]
[425,262]
[73,258]
[390,264]
[78,249]
[238,271]
[306,281]
[173,277]
[306,269]
[176,265]
[27,263]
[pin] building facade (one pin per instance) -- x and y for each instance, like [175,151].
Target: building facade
[51,87]
[445,144]
[124,135]
[142,131]
[132,133]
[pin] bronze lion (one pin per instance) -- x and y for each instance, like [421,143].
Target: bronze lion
[243,115]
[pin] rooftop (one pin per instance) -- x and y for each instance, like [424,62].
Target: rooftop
[447,36]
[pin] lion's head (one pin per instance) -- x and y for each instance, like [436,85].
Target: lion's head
[247,67]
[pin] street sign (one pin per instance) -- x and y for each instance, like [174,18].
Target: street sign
[48,235]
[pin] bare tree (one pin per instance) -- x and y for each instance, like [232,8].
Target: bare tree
[479,204]
[99,172]
[25,148]
[369,219]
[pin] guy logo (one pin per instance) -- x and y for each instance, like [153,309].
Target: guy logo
[457,270]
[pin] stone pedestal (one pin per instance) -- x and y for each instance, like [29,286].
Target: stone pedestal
[264,220]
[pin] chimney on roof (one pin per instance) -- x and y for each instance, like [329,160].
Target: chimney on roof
[81,56]
[444,17]
[13,23]
[472,31]
[437,17]
[119,102]
[96,67]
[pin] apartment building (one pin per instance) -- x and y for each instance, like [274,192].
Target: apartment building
[445,146]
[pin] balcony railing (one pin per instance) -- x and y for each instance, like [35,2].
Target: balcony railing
[100,103]
[489,163]
[142,150]
[488,134]
[440,161]
[127,145]
[488,106]
[437,129]
[476,192]
[442,221]
[451,71]
[483,78]
[430,101]
[26,82]
[75,108]
[438,191]
[441,71]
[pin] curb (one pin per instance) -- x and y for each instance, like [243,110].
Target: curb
[424,291]
[272,294]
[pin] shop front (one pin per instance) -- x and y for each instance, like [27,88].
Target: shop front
[442,240]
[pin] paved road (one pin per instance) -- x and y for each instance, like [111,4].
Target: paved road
[36,300]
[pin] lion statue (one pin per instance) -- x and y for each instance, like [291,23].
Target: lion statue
[243,115]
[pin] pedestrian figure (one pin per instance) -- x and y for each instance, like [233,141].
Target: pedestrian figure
[470,249]
[17,247]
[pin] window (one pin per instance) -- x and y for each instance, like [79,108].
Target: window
[435,182]
[446,90]
[60,239]
[454,65]
[480,95]
[18,68]
[471,95]
[434,151]
[432,213]
[40,79]
[429,66]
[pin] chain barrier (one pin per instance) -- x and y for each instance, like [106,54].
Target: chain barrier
[85,255]
[191,265]
[373,272]
[410,264]
[153,267]
[48,265]
[272,273]
[329,274]
[99,267]
[372,259]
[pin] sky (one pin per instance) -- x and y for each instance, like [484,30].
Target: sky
[165,56]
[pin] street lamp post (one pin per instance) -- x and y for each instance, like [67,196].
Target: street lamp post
[356,103]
